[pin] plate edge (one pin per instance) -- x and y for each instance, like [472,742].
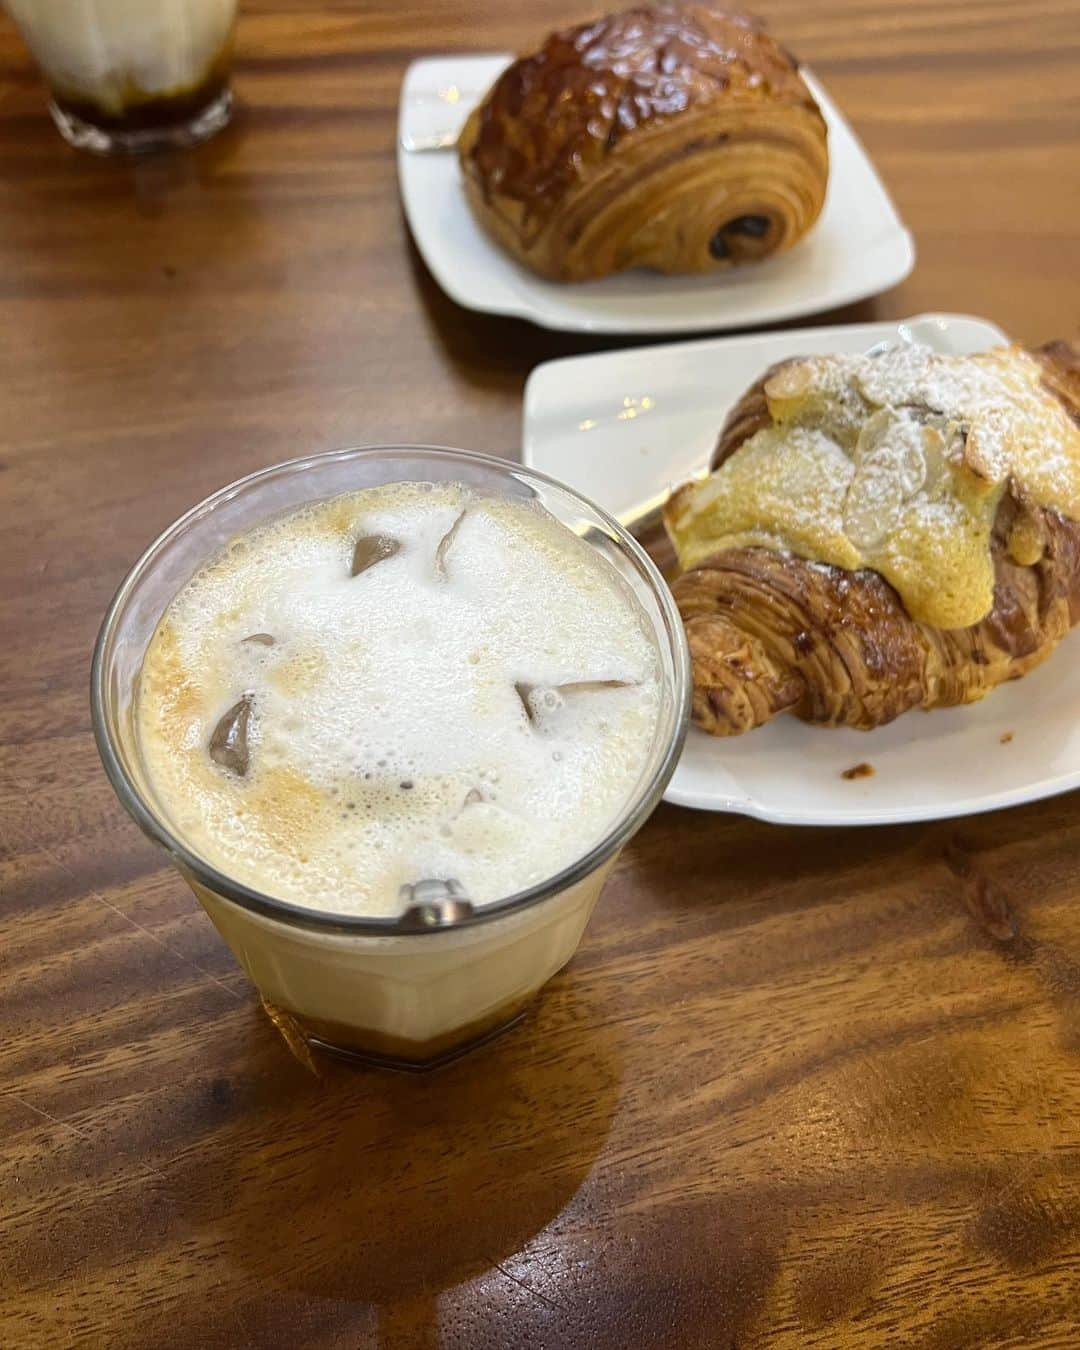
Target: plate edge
[555,364]
[969,806]
[517,309]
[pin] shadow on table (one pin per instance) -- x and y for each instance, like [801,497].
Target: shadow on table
[380,1189]
[488,348]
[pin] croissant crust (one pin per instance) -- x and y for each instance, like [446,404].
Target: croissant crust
[770,632]
[674,136]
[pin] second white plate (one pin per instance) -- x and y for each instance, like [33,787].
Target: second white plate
[858,247]
[623,426]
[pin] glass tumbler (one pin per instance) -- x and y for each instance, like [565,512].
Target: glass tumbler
[414,989]
[127,76]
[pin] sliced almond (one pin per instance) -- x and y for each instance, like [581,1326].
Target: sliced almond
[982,456]
[890,467]
[790,384]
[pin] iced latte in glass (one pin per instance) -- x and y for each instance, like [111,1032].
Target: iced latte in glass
[394,723]
[132,75]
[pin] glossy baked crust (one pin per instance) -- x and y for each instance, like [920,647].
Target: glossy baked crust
[676,136]
[772,633]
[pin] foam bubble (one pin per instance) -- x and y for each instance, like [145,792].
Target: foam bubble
[389,741]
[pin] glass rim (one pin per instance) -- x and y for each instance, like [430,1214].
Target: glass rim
[150,821]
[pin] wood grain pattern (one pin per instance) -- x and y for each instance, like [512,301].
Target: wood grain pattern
[800,1088]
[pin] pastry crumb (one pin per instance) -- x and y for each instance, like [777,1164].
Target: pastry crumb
[859,771]
[1006,737]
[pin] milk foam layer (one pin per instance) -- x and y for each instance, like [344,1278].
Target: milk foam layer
[105,50]
[478,711]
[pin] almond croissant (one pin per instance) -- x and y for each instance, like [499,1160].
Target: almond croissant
[770,631]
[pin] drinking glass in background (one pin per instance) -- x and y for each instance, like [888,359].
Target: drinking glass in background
[128,76]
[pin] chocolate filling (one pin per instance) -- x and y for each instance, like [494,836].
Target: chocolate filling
[754,227]
[744,227]
[718,245]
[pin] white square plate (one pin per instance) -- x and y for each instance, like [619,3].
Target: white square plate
[857,248]
[623,426]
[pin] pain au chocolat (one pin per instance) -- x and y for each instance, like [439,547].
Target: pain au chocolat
[880,534]
[676,136]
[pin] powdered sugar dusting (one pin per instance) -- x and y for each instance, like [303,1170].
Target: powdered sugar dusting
[1016,429]
[896,462]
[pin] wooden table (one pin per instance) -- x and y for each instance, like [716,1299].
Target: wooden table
[799,1088]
